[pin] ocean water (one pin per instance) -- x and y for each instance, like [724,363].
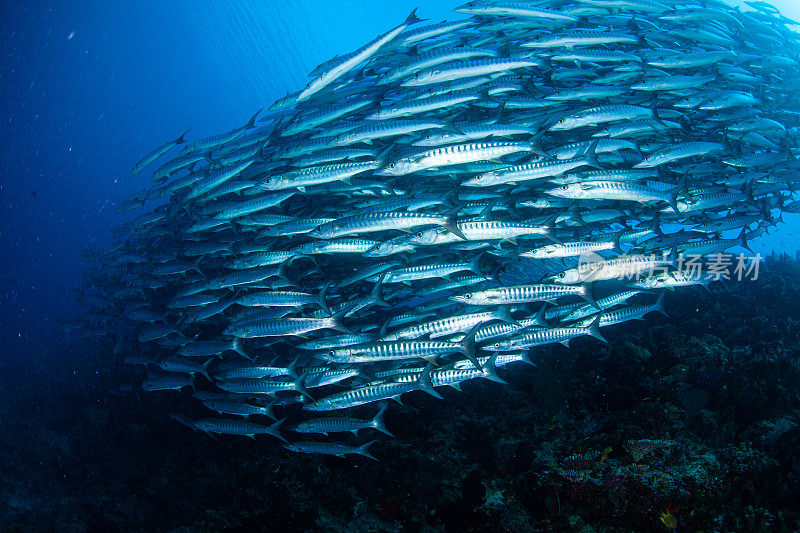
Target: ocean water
[86,88]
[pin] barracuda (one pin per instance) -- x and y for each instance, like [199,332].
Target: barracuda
[449,325]
[453,99]
[568,249]
[676,152]
[615,190]
[346,63]
[278,327]
[227,426]
[637,312]
[432,59]
[342,424]
[600,115]
[546,336]
[374,222]
[373,392]
[468,69]
[307,177]
[222,138]
[521,294]
[480,231]
[532,171]
[156,153]
[454,155]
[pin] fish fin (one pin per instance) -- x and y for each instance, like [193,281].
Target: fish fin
[364,448]
[291,370]
[540,317]
[181,140]
[375,295]
[591,156]
[448,125]
[300,385]
[586,294]
[204,369]
[469,346]
[412,18]
[323,293]
[237,347]
[536,145]
[594,329]
[252,122]
[378,423]
[424,382]
[475,264]
[525,358]
[276,433]
[743,240]
[660,305]
[452,226]
[337,319]
[503,313]
[490,370]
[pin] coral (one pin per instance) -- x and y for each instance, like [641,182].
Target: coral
[643,447]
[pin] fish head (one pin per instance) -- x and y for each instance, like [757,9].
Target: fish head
[569,190]
[272,183]
[324,231]
[566,277]
[426,237]
[467,298]
[203,425]
[544,252]
[484,180]
[396,168]
[535,40]
[498,346]
[422,78]
[562,124]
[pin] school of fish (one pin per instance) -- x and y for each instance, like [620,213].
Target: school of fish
[435,206]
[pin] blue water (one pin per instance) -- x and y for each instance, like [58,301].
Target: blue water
[88,87]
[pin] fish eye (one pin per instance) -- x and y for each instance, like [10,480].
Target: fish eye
[562,274]
[564,187]
[468,295]
[391,165]
[331,353]
[419,234]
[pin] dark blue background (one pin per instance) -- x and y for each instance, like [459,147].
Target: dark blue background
[89,87]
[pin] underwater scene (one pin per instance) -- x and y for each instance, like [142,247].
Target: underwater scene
[516,266]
